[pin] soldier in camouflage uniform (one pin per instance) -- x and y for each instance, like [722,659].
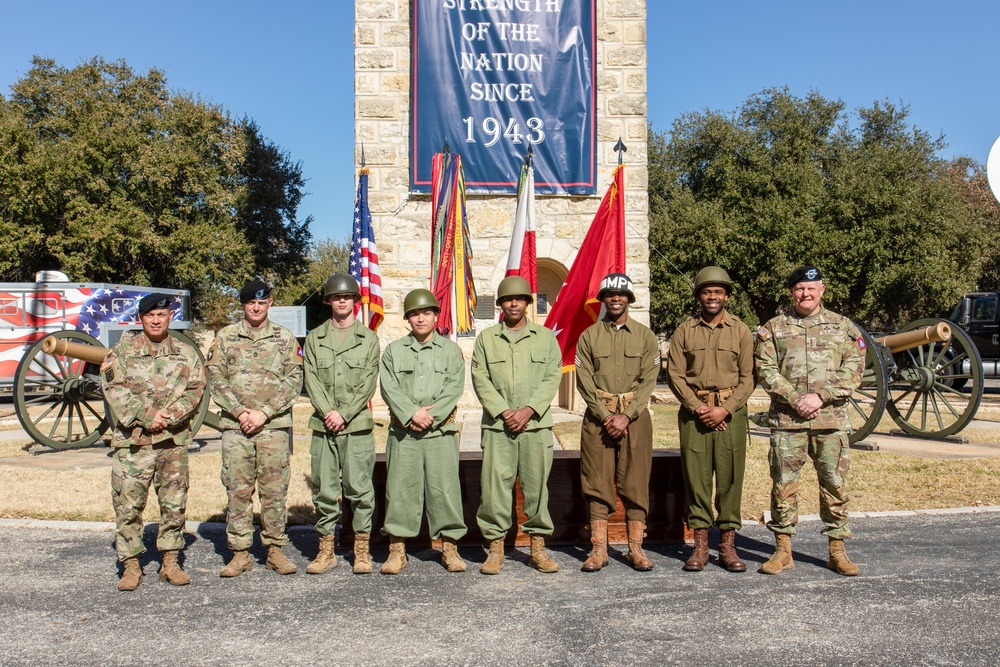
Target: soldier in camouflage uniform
[810,360]
[516,368]
[341,374]
[153,384]
[617,361]
[422,379]
[255,375]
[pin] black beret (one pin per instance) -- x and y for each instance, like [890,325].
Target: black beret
[803,274]
[254,289]
[153,302]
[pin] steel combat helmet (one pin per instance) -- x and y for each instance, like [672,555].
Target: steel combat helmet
[513,286]
[340,283]
[712,275]
[616,282]
[418,299]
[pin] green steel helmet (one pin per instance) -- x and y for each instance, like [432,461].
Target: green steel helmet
[340,283]
[712,275]
[418,299]
[513,286]
[616,282]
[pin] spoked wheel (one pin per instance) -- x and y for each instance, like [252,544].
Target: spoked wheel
[202,410]
[937,387]
[867,404]
[57,398]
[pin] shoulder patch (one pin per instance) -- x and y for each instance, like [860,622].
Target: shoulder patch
[298,354]
[861,342]
[109,375]
[763,333]
[211,352]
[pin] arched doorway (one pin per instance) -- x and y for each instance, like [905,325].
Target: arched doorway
[551,276]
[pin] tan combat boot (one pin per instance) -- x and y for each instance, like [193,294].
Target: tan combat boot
[325,559]
[131,575]
[171,572]
[494,561]
[362,556]
[539,558]
[277,561]
[449,556]
[636,556]
[598,557]
[699,555]
[839,562]
[727,552]
[397,556]
[782,558]
[240,563]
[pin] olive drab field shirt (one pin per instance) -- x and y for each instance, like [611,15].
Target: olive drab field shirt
[516,372]
[416,375]
[703,357]
[342,376]
[255,369]
[822,354]
[617,361]
[141,378]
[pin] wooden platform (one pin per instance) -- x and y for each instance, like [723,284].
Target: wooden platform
[665,522]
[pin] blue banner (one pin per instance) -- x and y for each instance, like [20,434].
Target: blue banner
[491,78]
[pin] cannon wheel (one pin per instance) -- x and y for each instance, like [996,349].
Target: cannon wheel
[71,388]
[924,394]
[867,404]
[202,411]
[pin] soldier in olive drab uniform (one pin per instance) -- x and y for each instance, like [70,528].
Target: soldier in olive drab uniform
[255,376]
[710,370]
[516,368]
[617,361]
[152,384]
[422,379]
[810,360]
[341,373]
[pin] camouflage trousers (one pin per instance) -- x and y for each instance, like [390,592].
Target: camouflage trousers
[259,462]
[165,465]
[830,452]
[342,465]
[507,456]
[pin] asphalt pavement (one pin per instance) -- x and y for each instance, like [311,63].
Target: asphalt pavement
[928,594]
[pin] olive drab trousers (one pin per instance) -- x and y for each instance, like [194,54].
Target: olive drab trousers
[506,456]
[343,463]
[724,452]
[624,464]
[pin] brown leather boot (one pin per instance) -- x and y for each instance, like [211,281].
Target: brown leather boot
[171,572]
[131,575]
[727,552]
[362,556]
[839,562]
[494,560]
[539,558]
[699,555]
[449,556]
[598,557]
[781,560]
[277,561]
[240,563]
[325,559]
[636,557]
[397,556]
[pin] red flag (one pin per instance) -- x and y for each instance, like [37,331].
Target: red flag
[602,252]
[521,258]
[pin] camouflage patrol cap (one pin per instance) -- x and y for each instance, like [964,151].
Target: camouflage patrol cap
[513,286]
[616,282]
[804,274]
[254,289]
[154,302]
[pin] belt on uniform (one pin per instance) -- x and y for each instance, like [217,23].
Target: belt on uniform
[615,403]
[450,419]
[714,398]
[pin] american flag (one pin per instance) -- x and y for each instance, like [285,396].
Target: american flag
[364,258]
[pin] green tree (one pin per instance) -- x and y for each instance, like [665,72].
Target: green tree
[325,258]
[786,181]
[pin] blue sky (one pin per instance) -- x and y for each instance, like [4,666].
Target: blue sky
[289,66]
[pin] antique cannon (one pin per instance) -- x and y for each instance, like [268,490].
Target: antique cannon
[57,390]
[929,376]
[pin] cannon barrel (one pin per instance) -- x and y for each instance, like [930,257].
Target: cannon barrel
[900,342]
[94,354]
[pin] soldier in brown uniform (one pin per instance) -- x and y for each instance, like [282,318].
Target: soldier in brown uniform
[710,370]
[617,360]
